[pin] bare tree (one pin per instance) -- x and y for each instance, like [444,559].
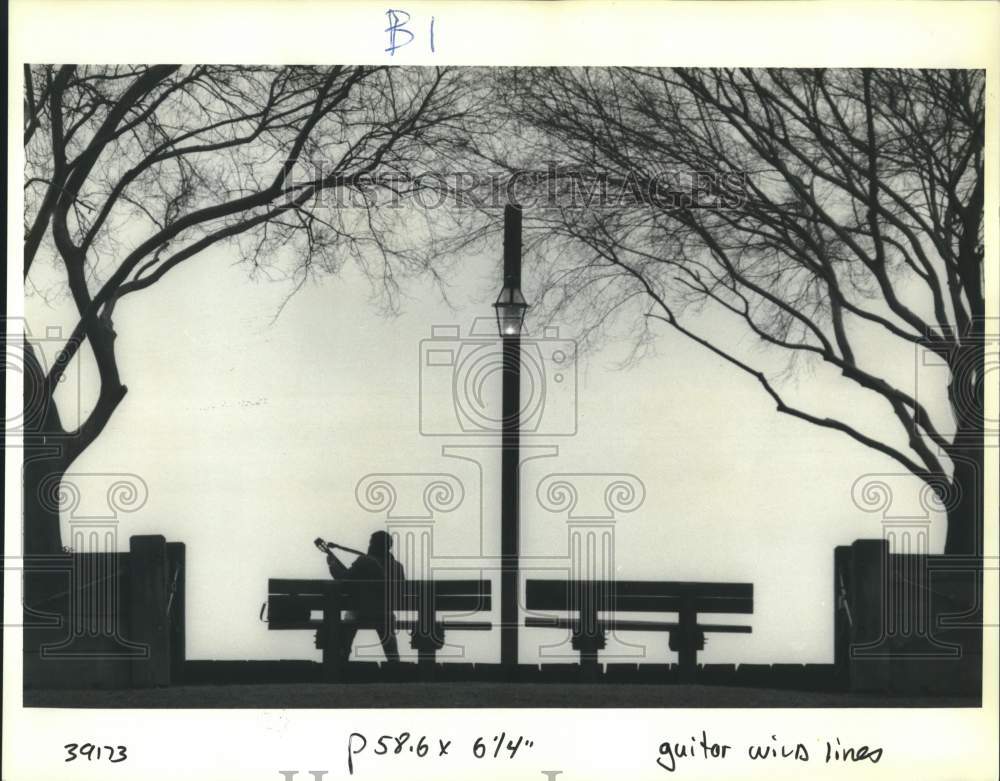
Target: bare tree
[133,170]
[836,209]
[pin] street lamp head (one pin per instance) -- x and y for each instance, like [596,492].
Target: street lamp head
[510,307]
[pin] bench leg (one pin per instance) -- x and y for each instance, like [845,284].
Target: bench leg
[426,657]
[689,642]
[331,631]
[588,639]
[687,663]
[428,639]
[590,668]
[426,664]
[331,664]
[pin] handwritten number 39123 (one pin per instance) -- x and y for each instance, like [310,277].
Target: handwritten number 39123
[90,751]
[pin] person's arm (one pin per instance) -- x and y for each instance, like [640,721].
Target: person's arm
[337,568]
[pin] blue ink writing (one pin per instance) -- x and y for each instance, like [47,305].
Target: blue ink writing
[397,26]
[399,32]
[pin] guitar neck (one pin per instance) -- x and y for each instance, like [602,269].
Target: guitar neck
[329,547]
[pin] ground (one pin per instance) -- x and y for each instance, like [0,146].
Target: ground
[469,695]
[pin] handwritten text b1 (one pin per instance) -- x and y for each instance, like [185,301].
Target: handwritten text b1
[399,33]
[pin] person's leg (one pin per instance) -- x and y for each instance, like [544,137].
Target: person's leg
[347,633]
[387,636]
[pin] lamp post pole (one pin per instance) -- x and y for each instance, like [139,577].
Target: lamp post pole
[510,313]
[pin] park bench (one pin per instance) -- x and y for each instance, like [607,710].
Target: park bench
[318,604]
[593,607]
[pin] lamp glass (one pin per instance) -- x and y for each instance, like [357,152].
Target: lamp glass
[510,308]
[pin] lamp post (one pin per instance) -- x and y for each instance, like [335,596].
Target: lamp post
[510,307]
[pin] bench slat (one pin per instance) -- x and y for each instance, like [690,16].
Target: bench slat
[403,624]
[639,604]
[303,603]
[651,588]
[292,602]
[639,596]
[450,587]
[445,602]
[627,625]
[409,588]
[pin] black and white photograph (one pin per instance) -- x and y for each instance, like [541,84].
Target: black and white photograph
[433,389]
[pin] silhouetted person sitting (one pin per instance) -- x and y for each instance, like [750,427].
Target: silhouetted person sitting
[383,575]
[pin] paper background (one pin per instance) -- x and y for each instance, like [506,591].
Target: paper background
[583,744]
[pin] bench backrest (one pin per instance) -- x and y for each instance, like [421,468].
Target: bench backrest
[290,602]
[639,596]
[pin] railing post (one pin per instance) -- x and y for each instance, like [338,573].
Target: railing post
[148,586]
[176,609]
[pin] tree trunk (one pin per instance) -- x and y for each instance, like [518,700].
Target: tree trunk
[965,394]
[49,449]
[45,462]
[43,475]
[965,511]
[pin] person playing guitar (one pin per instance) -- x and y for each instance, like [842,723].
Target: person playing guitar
[383,574]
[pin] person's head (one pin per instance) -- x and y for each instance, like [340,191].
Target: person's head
[379,544]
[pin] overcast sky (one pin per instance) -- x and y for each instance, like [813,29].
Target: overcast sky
[252,436]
